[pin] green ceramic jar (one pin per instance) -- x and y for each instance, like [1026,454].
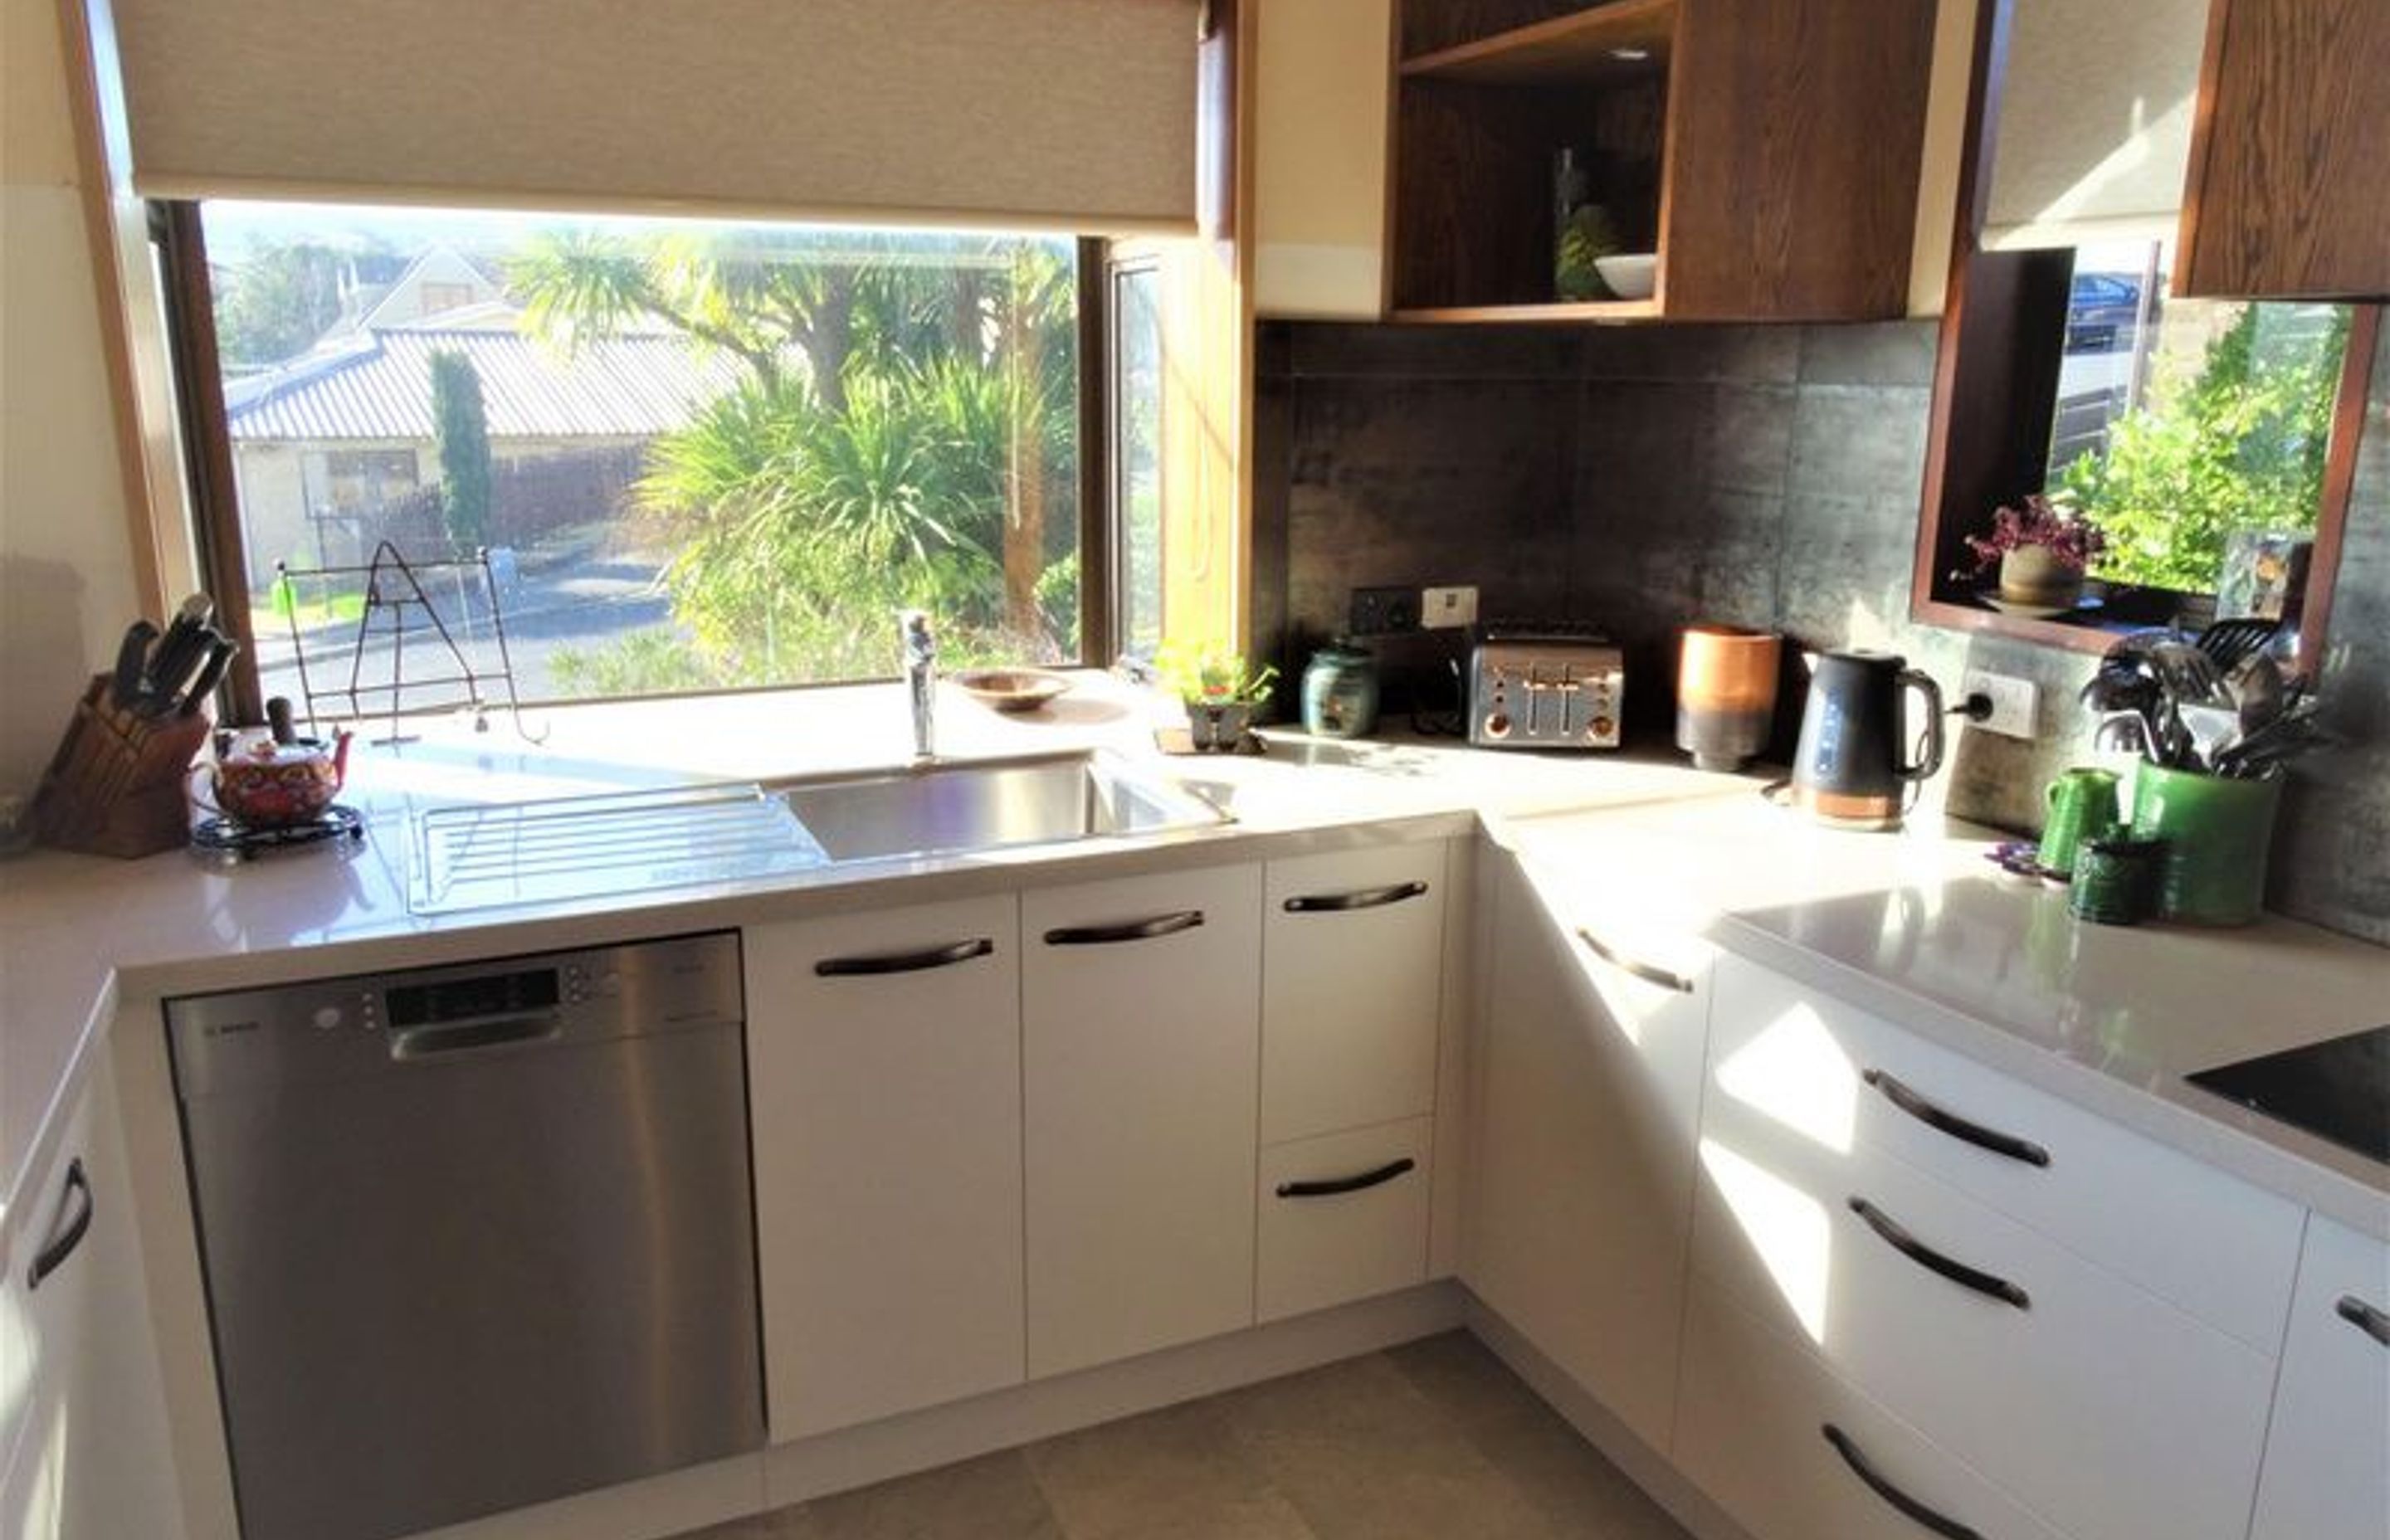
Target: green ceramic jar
[2218,833]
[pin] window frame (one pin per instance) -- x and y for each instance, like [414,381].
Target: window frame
[1118,266]
[1995,348]
[178,245]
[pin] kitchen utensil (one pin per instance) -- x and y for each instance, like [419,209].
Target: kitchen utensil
[131,677]
[2115,880]
[2218,831]
[265,784]
[2081,805]
[1340,692]
[2227,642]
[1726,694]
[180,650]
[2212,730]
[210,674]
[1849,770]
[2259,692]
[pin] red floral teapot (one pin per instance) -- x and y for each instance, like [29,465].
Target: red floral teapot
[269,784]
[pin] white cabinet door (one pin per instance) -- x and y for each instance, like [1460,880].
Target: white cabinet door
[2327,1471]
[1342,1216]
[1351,988]
[1322,69]
[1142,1035]
[1583,1180]
[884,1073]
[92,1456]
[1797,1454]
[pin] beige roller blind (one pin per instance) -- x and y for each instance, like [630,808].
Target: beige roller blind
[1075,114]
[2094,129]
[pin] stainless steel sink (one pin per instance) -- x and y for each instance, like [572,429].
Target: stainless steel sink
[943,808]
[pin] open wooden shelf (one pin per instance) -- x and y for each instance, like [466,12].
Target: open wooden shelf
[1583,49]
[1585,310]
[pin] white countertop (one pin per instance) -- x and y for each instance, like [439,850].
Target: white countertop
[1920,929]
[1917,926]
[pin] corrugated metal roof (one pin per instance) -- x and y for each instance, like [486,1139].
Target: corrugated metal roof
[380,387]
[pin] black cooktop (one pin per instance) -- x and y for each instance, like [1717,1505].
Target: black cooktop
[2337,1090]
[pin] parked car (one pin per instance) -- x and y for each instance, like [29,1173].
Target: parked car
[2101,311]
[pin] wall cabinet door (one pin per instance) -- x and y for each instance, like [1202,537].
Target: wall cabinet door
[1319,159]
[92,1456]
[884,1074]
[2285,196]
[1141,1029]
[1352,988]
[2327,1471]
[1583,1182]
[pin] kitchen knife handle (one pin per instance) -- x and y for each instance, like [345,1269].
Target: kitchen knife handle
[212,673]
[132,664]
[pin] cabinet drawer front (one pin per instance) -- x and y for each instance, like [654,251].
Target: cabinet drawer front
[2210,1243]
[887,1146]
[2093,1401]
[1352,970]
[1750,1432]
[1343,1217]
[1141,1064]
[2327,1472]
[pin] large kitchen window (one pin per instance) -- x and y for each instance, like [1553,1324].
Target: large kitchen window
[663,455]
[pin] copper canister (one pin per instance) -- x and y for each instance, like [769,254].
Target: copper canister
[1726,694]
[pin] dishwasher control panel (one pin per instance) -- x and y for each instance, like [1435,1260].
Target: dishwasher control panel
[337,1029]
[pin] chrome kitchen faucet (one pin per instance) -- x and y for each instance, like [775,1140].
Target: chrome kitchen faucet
[921,679]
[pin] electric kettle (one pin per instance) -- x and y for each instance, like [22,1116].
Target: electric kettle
[1850,771]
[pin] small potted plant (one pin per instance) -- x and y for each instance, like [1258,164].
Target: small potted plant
[2041,550]
[1218,689]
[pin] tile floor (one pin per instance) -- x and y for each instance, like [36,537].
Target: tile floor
[1435,1439]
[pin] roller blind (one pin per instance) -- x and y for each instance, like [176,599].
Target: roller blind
[1075,114]
[2094,129]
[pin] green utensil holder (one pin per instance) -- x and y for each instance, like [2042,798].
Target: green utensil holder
[2218,833]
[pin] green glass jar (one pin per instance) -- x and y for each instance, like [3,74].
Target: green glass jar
[2218,832]
[1340,692]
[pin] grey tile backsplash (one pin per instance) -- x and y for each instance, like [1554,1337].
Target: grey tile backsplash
[1646,477]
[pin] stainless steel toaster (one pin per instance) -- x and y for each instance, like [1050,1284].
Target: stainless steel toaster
[1544,688]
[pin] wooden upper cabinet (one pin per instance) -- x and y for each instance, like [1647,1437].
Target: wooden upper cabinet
[1768,150]
[2286,196]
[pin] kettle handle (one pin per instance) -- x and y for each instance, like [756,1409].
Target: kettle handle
[1923,683]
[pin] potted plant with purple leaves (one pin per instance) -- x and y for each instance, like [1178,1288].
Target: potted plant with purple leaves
[2041,550]
[1220,690]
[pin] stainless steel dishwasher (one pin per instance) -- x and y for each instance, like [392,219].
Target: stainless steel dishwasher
[475,1237]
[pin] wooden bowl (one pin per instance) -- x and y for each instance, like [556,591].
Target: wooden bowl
[1011,689]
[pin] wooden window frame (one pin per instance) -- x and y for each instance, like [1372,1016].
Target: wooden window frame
[1976,459]
[179,243]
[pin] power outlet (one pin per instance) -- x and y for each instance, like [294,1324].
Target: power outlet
[1441,608]
[1383,612]
[2015,703]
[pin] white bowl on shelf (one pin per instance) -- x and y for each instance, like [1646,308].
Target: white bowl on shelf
[1631,276]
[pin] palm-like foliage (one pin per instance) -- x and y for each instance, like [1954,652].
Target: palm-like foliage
[907,415]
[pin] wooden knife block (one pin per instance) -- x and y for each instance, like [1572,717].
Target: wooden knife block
[118,783]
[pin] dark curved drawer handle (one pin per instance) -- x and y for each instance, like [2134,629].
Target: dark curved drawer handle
[1625,964]
[1368,898]
[1906,1506]
[904,962]
[1336,1184]
[2370,1319]
[1925,1257]
[66,1233]
[1143,930]
[1949,1123]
